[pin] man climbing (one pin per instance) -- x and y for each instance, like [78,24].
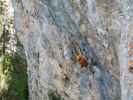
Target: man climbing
[73,52]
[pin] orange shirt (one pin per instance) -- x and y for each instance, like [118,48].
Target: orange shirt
[83,61]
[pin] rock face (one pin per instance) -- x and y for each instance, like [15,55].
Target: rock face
[54,32]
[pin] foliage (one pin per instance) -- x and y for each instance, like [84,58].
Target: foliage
[2,10]
[2,7]
[54,96]
[116,98]
[15,67]
[1,24]
[19,82]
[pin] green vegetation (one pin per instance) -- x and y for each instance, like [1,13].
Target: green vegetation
[14,70]
[2,10]
[13,65]
[2,7]
[54,96]
[116,98]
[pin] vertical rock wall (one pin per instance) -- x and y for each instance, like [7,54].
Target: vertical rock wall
[54,31]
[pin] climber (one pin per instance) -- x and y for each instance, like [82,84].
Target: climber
[79,57]
[73,52]
[82,61]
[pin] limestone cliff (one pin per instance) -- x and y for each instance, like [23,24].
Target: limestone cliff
[54,32]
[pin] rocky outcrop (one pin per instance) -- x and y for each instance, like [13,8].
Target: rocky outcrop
[55,32]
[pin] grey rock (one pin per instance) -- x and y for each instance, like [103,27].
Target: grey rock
[46,27]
